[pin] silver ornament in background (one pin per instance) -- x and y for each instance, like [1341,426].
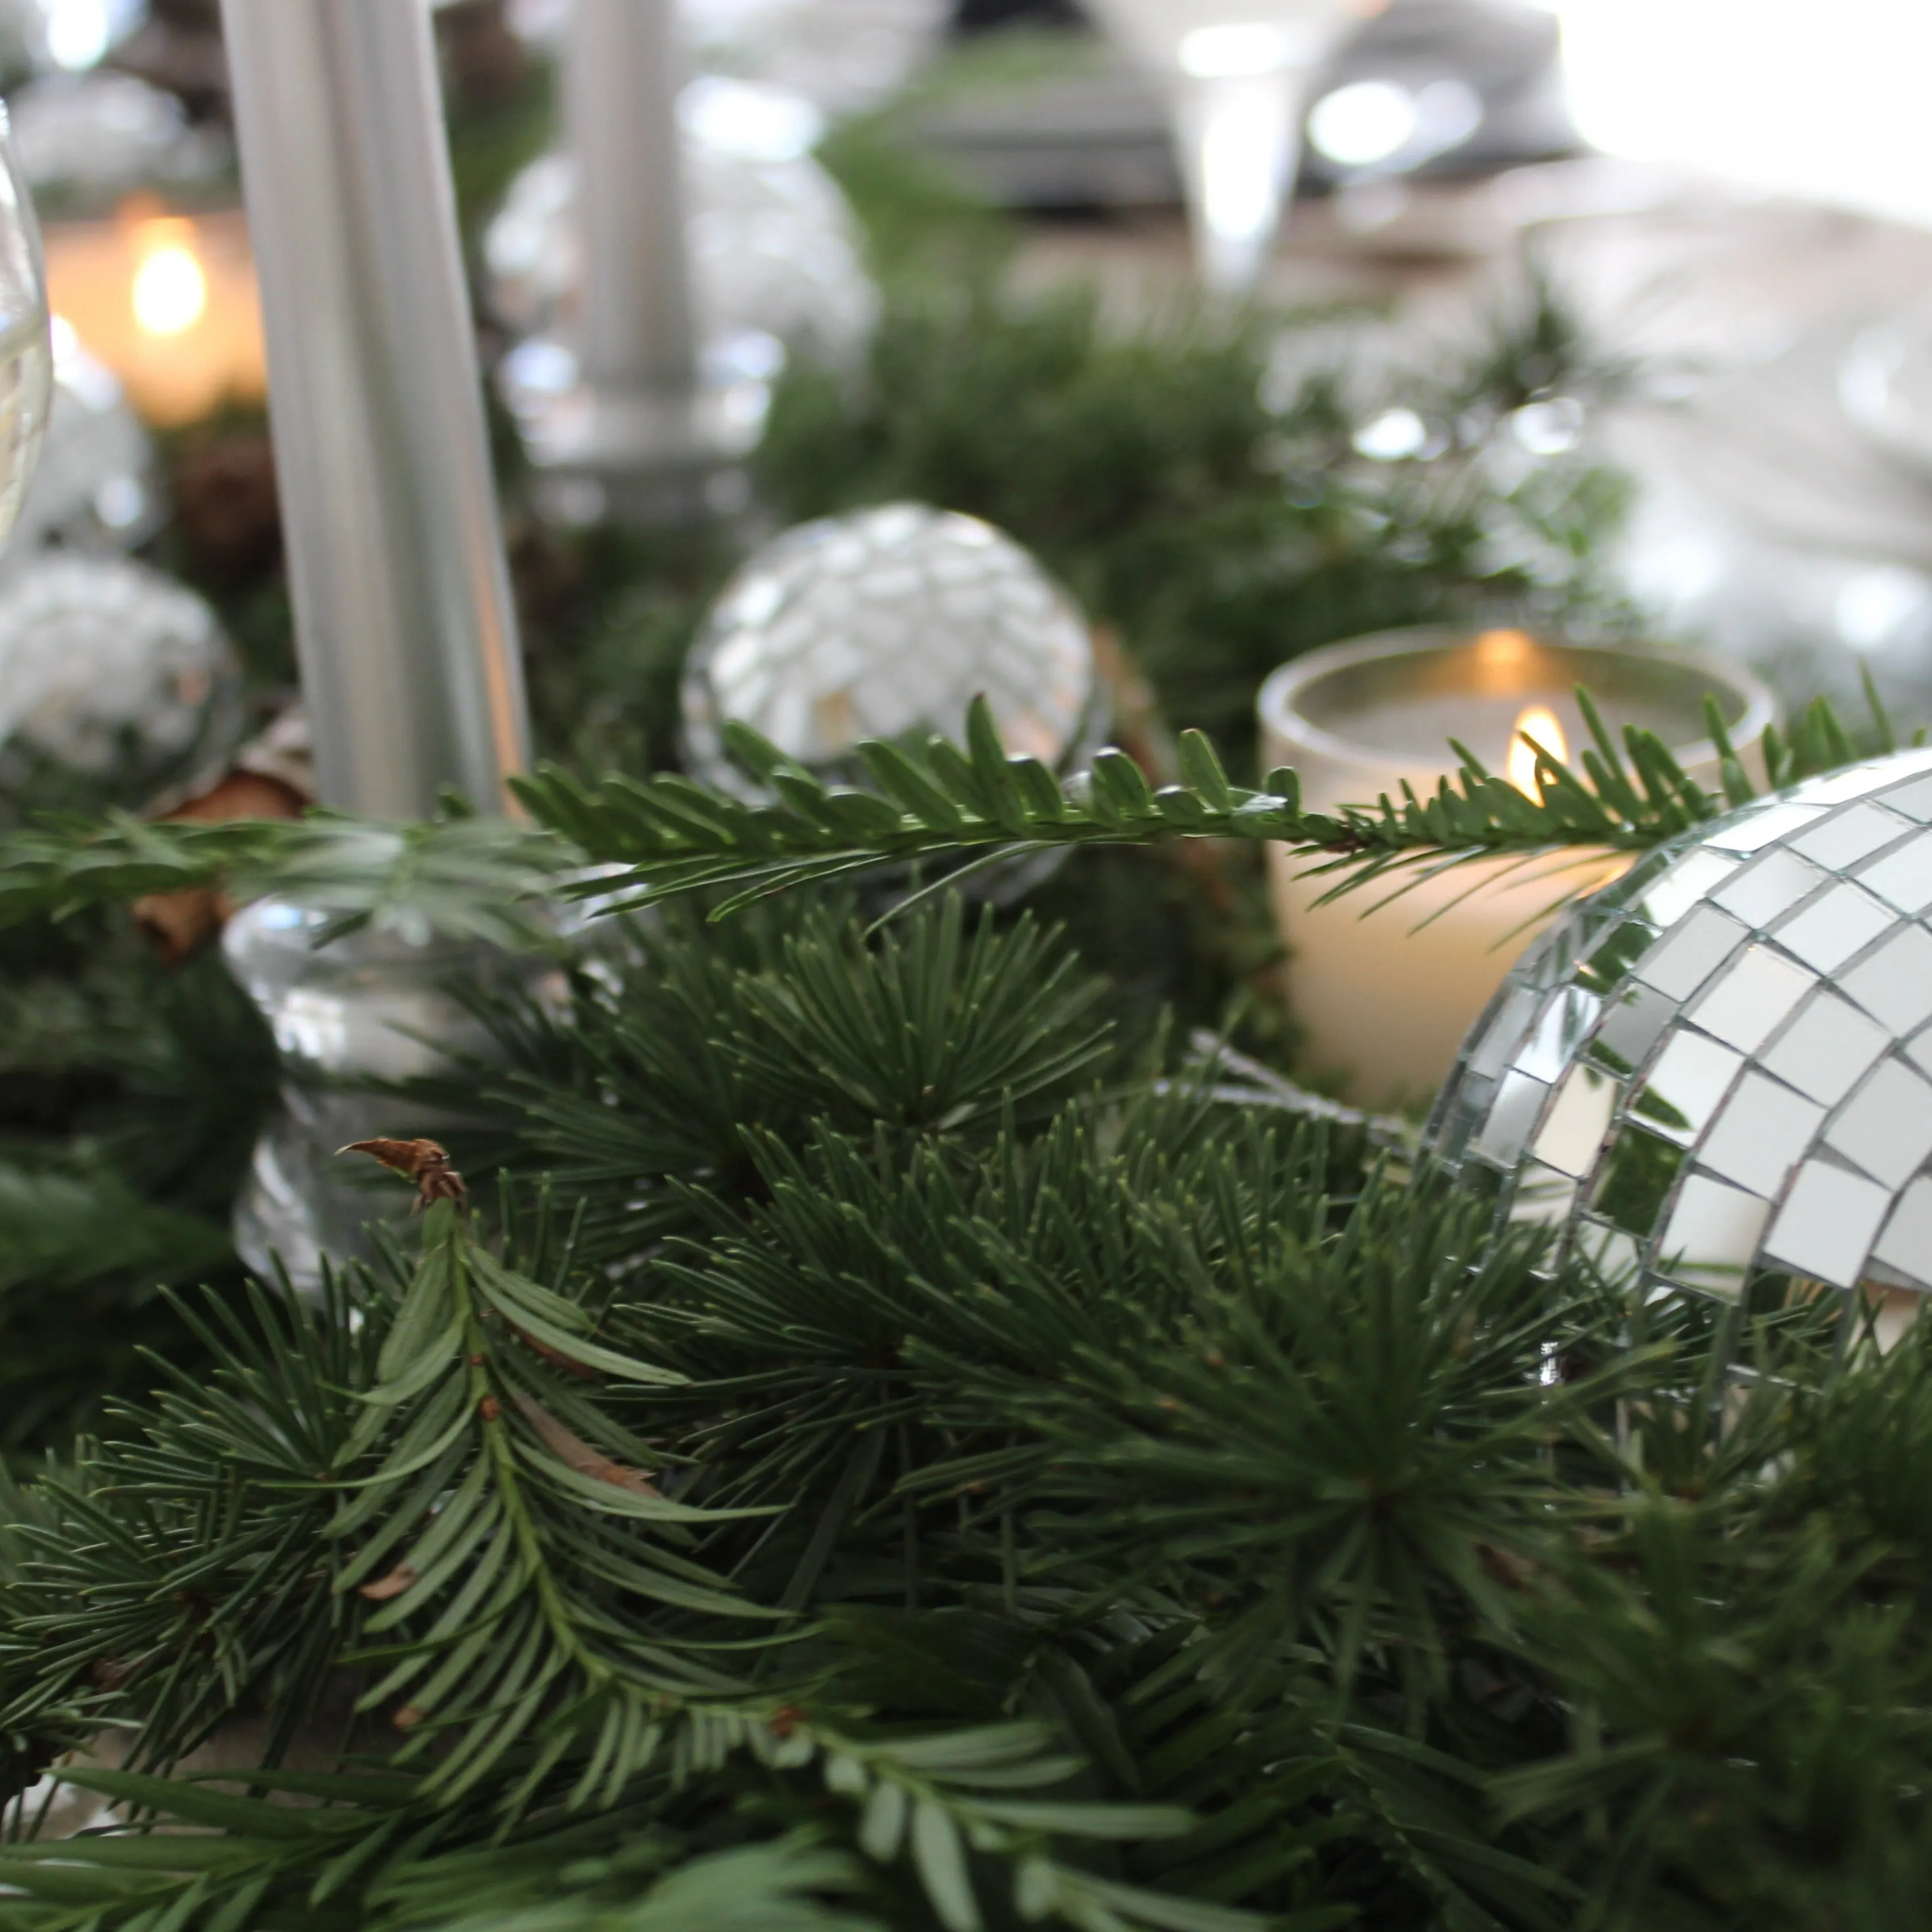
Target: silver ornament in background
[843,55]
[375,1004]
[774,249]
[98,136]
[886,623]
[1721,1067]
[117,686]
[98,487]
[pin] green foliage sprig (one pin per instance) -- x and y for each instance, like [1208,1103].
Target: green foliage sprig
[469,876]
[949,800]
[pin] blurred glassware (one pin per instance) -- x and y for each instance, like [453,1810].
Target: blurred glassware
[774,251]
[375,1005]
[96,488]
[843,55]
[1767,524]
[1438,86]
[26,353]
[1238,74]
[1886,384]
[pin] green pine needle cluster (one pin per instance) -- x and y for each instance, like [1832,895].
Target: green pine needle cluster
[990,1488]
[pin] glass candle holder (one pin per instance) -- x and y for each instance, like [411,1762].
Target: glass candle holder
[1385,988]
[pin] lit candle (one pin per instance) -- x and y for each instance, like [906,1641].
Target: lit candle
[404,627]
[167,301]
[1386,992]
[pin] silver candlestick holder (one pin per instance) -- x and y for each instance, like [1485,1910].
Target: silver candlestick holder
[372,1005]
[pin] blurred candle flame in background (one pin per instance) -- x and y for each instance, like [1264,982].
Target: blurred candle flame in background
[167,302]
[170,291]
[1539,722]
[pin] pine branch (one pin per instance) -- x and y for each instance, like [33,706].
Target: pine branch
[455,874]
[470,878]
[951,801]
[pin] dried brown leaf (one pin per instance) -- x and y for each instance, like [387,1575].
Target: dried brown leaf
[574,1453]
[398,1580]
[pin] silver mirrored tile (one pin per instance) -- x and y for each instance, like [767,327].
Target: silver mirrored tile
[1912,801]
[1633,1023]
[1635,1180]
[1835,927]
[1560,1029]
[1886,1127]
[1855,781]
[1543,1197]
[1828,1224]
[1713,1235]
[1828,1048]
[1499,1037]
[1752,829]
[1902,877]
[1691,880]
[1686,1085]
[1905,1246]
[1609,1250]
[1743,1006]
[1578,1123]
[1850,833]
[1760,1134]
[1512,1119]
[1770,886]
[1687,955]
[1894,984]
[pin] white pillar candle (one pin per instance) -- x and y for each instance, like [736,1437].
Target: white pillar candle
[1384,993]
[404,626]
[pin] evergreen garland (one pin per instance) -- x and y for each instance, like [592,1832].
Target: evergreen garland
[902,1442]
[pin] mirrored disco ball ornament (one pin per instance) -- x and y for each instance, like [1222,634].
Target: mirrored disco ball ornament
[774,248]
[1719,1069]
[117,686]
[886,623]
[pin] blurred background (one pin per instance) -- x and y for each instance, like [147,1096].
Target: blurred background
[1614,301]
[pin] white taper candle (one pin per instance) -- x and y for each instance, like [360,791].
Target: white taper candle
[404,625]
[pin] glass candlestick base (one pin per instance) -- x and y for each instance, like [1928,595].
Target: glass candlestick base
[371,1005]
[639,456]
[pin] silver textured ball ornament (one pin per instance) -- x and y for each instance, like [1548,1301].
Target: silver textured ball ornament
[117,686]
[886,623]
[96,486]
[774,248]
[1719,1069]
[96,137]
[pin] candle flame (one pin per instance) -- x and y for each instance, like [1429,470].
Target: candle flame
[170,292]
[1539,722]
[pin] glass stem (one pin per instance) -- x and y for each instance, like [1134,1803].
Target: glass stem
[1240,144]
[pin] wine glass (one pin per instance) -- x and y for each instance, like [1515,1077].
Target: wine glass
[26,354]
[1237,74]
